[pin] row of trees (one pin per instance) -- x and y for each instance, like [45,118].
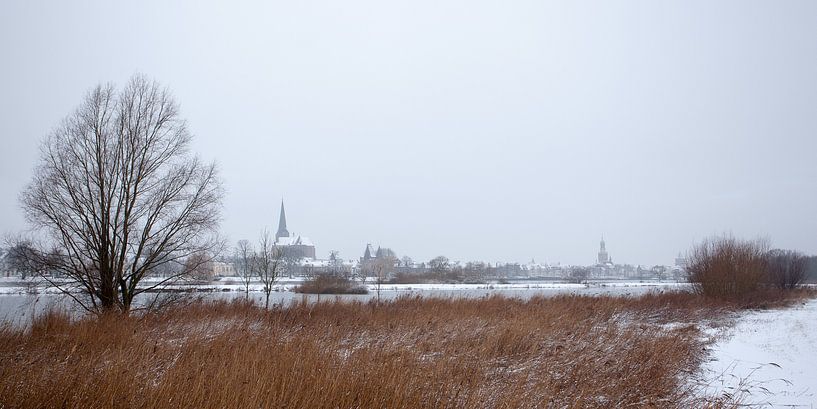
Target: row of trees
[266,263]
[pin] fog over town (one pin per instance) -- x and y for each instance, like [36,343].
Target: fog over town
[479,131]
[408,204]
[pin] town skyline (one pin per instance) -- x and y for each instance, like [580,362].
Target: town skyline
[527,132]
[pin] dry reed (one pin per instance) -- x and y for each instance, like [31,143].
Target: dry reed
[565,351]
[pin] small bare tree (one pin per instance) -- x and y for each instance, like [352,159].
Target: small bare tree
[439,264]
[268,262]
[118,195]
[243,259]
[18,258]
[381,268]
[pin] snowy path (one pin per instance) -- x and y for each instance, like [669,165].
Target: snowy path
[769,359]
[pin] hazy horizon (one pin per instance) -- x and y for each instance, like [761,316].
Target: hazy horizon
[475,130]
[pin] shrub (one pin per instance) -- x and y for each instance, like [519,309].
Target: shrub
[726,267]
[786,269]
[330,284]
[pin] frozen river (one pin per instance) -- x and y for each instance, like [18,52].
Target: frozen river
[19,307]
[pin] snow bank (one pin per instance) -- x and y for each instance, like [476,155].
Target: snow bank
[768,359]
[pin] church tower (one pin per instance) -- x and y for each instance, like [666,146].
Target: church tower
[282,224]
[603,258]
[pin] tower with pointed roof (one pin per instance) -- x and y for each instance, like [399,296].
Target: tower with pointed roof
[294,245]
[282,224]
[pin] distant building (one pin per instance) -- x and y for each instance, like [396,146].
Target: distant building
[370,258]
[294,245]
[221,268]
[680,261]
[603,257]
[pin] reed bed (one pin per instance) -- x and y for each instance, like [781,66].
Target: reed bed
[564,351]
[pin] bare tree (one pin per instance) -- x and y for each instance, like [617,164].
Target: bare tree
[360,273]
[19,256]
[243,259]
[579,275]
[381,268]
[439,264]
[660,272]
[786,268]
[119,195]
[268,263]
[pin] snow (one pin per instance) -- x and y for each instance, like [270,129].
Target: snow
[519,286]
[294,240]
[768,359]
[287,284]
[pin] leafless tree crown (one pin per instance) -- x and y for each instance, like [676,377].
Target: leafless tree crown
[268,263]
[120,195]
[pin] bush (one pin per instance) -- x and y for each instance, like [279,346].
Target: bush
[726,267]
[330,284]
[786,269]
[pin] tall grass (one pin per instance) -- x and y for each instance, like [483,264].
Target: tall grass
[565,351]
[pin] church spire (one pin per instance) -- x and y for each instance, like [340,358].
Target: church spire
[603,257]
[282,224]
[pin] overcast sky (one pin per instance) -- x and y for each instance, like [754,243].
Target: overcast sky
[496,131]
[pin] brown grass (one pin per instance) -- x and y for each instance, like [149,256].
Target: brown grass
[565,351]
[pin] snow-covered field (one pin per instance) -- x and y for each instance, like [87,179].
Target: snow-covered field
[19,303]
[767,359]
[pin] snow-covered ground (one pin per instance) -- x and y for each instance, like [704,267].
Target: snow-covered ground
[767,359]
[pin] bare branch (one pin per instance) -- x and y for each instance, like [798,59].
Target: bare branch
[119,193]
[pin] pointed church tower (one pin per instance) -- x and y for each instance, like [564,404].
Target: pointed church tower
[282,224]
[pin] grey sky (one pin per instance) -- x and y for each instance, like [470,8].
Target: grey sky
[479,130]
